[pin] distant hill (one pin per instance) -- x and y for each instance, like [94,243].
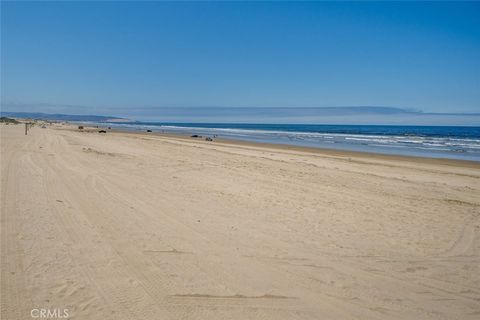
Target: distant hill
[63,117]
[8,120]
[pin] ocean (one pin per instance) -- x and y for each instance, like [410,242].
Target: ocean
[423,141]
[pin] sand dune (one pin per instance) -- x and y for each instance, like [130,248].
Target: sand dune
[132,226]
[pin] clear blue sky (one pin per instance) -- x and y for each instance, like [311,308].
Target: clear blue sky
[111,55]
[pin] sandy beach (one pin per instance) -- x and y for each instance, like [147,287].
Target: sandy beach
[142,226]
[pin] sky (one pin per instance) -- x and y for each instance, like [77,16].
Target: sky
[135,58]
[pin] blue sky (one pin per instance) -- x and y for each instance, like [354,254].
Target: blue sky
[115,57]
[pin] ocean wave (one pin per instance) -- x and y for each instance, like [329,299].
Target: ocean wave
[427,140]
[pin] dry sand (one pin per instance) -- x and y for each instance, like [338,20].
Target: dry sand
[133,226]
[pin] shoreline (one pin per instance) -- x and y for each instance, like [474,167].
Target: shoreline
[288,147]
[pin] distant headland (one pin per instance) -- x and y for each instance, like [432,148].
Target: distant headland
[65,117]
